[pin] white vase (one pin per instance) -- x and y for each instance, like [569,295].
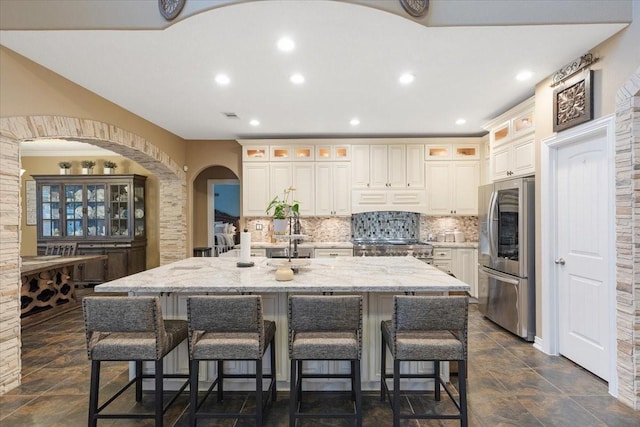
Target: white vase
[65,171]
[280,226]
[107,171]
[87,171]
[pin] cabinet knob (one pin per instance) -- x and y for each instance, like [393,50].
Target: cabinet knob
[408,184]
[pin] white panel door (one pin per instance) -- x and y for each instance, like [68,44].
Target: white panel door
[360,166]
[255,188]
[341,188]
[281,178]
[324,189]
[415,166]
[583,254]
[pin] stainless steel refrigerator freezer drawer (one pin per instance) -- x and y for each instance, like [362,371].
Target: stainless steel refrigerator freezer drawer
[507,301]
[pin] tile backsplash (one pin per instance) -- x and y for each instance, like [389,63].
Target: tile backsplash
[339,229]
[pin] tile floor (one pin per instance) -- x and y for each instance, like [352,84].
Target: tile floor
[510,384]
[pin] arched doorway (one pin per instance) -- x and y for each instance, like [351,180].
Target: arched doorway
[216,198]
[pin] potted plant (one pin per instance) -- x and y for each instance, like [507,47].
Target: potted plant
[65,168]
[283,209]
[87,167]
[109,167]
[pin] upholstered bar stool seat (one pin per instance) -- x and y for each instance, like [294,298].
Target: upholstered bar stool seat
[130,329]
[425,328]
[225,328]
[324,328]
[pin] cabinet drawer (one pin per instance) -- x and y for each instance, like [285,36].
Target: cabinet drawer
[332,253]
[444,265]
[441,253]
[258,252]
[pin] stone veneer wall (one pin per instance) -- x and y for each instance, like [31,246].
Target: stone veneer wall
[338,229]
[10,363]
[627,241]
[172,209]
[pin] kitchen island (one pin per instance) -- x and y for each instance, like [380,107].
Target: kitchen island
[376,278]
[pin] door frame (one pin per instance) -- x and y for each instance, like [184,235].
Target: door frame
[549,343]
[211,183]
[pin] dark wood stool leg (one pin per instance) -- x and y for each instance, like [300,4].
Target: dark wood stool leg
[274,392]
[299,382]
[396,393]
[259,404]
[293,398]
[220,380]
[159,392]
[436,373]
[358,387]
[193,391]
[93,393]
[138,374]
[462,385]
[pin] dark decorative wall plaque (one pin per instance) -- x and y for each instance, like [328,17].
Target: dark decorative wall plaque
[572,102]
[417,8]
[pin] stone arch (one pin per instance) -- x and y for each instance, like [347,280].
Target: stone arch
[627,240]
[172,188]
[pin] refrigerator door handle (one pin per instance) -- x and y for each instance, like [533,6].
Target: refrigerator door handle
[501,277]
[490,226]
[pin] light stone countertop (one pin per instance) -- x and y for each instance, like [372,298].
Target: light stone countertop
[341,274]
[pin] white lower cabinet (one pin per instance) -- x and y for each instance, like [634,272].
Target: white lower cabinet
[332,253]
[461,262]
[464,265]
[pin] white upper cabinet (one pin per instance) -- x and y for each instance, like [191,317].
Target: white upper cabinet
[388,166]
[292,153]
[300,176]
[333,194]
[452,188]
[452,151]
[256,193]
[255,153]
[330,153]
[512,142]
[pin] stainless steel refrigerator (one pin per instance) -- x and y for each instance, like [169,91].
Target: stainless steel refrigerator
[506,255]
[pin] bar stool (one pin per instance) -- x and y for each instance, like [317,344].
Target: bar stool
[130,329]
[324,328]
[426,328]
[229,328]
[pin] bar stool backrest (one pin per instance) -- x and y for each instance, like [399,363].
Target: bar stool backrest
[325,313]
[426,313]
[105,315]
[222,313]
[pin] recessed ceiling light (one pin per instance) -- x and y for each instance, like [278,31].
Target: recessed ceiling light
[461,121]
[254,122]
[222,79]
[524,75]
[285,44]
[354,122]
[406,78]
[297,78]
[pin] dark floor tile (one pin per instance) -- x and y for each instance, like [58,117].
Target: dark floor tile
[9,403]
[559,411]
[574,380]
[609,410]
[503,411]
[524,382]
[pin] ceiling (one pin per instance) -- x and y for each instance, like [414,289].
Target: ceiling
[351,57]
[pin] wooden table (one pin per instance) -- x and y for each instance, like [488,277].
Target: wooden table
[47,285]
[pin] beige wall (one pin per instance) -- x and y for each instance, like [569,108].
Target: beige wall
[28,89]
[49,166]
[619,58]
